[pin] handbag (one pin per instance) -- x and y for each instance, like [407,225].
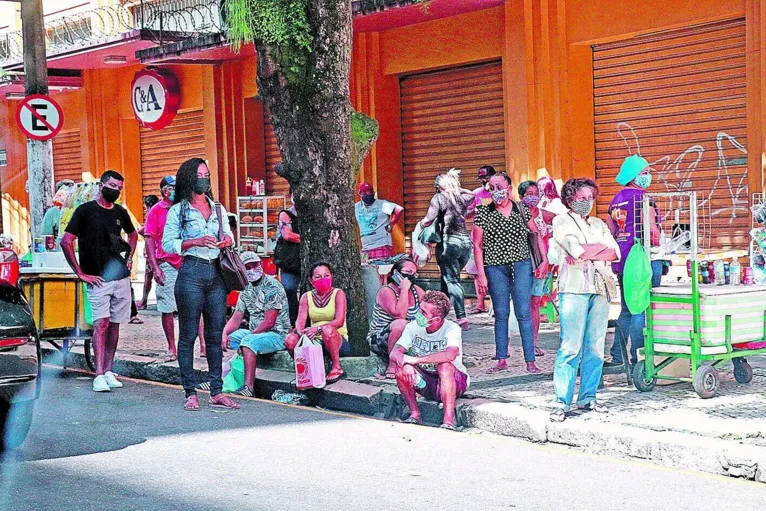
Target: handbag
[534,250]
[233,269]
[432,233]
[309,364]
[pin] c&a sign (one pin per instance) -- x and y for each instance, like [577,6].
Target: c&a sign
[156,97]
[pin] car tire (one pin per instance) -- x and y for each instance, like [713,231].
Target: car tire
[16,422]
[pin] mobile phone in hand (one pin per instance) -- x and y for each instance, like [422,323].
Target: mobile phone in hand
[396,277]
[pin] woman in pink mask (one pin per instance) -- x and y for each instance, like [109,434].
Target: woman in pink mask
[325,309]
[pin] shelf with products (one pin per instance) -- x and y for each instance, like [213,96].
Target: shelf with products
[257,219]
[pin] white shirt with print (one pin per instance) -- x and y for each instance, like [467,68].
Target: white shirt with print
[419,343]
[372,221]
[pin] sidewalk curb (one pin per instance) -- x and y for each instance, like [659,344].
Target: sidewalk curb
[668,448]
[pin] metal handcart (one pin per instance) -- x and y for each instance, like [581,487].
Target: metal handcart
[696,321]
[58,305]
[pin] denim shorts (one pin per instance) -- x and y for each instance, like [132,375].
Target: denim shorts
[260,344]
[540,287]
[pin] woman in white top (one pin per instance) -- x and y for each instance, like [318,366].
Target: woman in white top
[584,248]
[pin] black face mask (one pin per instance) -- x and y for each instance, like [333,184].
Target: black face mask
[368,199]
[202,185]
[110,194]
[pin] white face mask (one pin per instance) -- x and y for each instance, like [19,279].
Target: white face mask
[255,274]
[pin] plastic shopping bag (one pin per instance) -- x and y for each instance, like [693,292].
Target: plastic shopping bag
[235,380]
[421,252]
[637,279]
[309,364]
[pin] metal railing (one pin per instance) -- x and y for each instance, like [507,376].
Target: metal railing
[157,20]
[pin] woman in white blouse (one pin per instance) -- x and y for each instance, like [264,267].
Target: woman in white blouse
[584,248]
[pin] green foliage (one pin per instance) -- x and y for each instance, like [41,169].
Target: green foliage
[363,128]
[281,24]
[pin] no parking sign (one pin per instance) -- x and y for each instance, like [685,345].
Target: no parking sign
[40,117]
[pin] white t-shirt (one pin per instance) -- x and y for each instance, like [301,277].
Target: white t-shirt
[419,343]
[372,222]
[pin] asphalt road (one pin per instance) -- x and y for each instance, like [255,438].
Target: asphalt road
[136,449]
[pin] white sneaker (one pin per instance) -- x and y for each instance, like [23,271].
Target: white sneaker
[100,384]
[112,381]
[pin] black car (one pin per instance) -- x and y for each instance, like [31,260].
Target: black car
[19,356]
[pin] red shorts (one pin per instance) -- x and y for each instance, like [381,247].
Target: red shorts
[379,253]
[432,390]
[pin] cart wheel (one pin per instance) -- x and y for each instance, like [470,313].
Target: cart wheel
[743,372]
[706,381]
[89,355]
[639,378]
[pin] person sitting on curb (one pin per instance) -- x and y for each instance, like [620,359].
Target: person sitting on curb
[265,301]
[429,359]
[325,308]
[396,304]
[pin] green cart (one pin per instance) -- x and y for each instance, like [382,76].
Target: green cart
[706,324]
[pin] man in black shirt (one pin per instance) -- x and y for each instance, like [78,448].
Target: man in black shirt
[104,266]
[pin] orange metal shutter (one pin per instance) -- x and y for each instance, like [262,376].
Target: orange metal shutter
[163,151]
[275,184]
[67,156]
[678,99]
[451,118]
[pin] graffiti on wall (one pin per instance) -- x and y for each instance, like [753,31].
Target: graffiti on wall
[677,174]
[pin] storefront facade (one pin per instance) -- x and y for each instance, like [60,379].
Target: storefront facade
[565,88]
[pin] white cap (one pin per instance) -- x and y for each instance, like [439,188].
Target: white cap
[250,257]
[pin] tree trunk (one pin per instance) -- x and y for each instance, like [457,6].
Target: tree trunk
[310,111]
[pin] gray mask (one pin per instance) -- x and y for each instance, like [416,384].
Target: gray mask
[582,207]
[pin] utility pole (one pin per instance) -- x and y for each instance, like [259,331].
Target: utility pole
[39,153]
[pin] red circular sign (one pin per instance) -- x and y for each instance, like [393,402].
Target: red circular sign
[155,97]
[40,117]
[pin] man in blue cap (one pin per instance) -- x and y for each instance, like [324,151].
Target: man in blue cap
[624,222]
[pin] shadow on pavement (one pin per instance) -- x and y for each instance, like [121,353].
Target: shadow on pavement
[71,420]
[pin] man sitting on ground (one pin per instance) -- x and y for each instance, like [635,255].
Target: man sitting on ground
[265,301]
[429,359]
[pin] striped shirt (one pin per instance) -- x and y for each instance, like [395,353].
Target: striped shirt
[381,319]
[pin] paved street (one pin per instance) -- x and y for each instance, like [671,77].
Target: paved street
[137,449]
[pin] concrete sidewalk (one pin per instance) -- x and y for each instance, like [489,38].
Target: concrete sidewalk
[671,425]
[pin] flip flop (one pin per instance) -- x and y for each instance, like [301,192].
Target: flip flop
[447,426]
[191,404]
[135,320]
[497,369]
[169,357]
[413,420]
[539,352]
[477,311]
[333,379]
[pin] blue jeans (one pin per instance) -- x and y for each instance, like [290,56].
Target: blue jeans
[291,282]
[505,285]
[200,292]
[452,255]
[584,319]
[632,325]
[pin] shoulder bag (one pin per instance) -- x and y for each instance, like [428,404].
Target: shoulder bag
[534,248]
[232,268]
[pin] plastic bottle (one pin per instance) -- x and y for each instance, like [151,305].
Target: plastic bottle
[720,278]
[705,272]
[727,273]
[736,272]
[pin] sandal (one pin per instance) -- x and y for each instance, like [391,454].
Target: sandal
[448,426]
[558,415]
[333,377]
[243,391]
[135,320]
[205,385]
[593,406]
[539,352]
[477,310]
[532,368]
[192,404]
[413,420]
[498,368]
[222,401]
[169,357]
